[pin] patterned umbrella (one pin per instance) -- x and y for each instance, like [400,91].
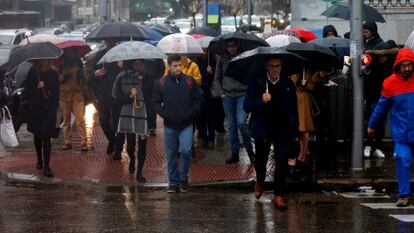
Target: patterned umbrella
[41,38]
[132,50]
[281,40]
[180,44]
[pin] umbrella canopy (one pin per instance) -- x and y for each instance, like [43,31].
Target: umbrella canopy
[21,74]
[179,43]
[341,10]
[253,63]
[118,30]
[320,58]
[246,42]
[410,41]
[163,28]
[206,31]
[339,45]
[82,47]
[281,40]
[204,41]
[33,51]
[41,38]
[280,32]
[154,35]
[132,50]
[304,35]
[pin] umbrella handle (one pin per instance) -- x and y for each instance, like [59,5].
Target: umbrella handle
[137,104]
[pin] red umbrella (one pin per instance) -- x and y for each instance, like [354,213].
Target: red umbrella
[304,35]
[82,47]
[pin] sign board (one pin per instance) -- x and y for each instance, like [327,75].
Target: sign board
[213,14]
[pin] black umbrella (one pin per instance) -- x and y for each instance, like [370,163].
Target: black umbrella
[341,10]
[246,42]
[33,51]
[118,30]
[320,58]
[163,28]
[21,74]
[251,64]
[206,31]
[339,45]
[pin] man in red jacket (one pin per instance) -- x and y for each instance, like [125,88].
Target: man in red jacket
[398,96]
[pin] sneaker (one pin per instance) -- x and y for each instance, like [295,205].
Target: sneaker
[378,153]
[172,189]
[403,202]
[367,151]
[67,146]
[184,188]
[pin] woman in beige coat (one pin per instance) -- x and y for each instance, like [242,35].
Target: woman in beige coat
[305,84]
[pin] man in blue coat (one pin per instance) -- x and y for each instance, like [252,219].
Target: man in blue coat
[397,95]
[271,100]
[177,99]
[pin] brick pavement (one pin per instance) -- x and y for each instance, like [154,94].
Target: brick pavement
[206,167]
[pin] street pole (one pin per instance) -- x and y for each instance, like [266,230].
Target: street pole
[205,13]
[249,13]
[358,85]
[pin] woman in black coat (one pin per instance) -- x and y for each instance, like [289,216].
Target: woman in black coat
[42,99]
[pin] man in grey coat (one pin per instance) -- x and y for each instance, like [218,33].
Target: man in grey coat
[233,94]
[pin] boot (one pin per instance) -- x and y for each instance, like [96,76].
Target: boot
[258,189]
[39,163]
[47,172]
[110,148]
[142,153]
[131,166]
[252,156]
[233,159]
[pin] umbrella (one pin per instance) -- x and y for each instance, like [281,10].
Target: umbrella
[132,50]
[320,57]
[154,35]
[281,40]
[162,28]
[41,38]
[246,42]
[118,30]
[206,31]
[410,41]
[204,41]
[82,47]
[280,32]
[341,10]
[21,74]
[33,51]
[253,62]
[339,45]
[304,35]
[180,44]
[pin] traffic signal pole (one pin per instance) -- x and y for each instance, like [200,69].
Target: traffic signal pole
[205,13]
[357,85]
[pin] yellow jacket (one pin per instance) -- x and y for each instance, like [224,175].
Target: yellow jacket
[191,69]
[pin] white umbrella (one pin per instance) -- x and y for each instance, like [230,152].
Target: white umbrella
[42,38]
[181,44]
[410,41]
[205,41]
[281,40]
[132,50]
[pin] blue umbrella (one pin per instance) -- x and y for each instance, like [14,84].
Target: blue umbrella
[154,35]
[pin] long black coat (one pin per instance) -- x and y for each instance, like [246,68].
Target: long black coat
[40,110]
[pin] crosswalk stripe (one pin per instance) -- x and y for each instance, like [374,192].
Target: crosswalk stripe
[354,195]
[385,206]
[403,217]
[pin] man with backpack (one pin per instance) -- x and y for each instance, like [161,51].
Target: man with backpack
[177,99]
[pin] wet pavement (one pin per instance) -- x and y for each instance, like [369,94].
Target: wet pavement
[33,207]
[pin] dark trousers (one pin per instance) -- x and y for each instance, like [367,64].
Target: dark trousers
[205,121]
[105,120]
[151,115]
[217,107]
[281,162]
[43,149]
[131,144]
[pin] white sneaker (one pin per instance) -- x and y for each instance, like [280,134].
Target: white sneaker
[378,154]
[367,151]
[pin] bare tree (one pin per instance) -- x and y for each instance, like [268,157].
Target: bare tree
[191,7]
[280,7]
[233,8]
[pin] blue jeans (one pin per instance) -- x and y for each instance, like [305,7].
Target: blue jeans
[237,120]
[402,154]
[178,142]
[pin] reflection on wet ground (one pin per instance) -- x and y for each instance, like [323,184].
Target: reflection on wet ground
[73,208]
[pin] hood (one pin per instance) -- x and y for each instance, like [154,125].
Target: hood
[405,54]
[372,27]
[329,28]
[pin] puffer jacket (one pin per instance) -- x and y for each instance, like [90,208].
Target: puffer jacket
[398,97]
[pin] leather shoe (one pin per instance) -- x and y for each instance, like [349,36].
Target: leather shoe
[279,202]
[67,146]
[258,189]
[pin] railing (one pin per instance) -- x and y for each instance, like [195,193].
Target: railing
[390,3]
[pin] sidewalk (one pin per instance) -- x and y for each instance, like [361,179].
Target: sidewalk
[207,167]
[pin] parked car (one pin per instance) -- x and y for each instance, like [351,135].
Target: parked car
[12,37]
[227,24]
[185,25]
